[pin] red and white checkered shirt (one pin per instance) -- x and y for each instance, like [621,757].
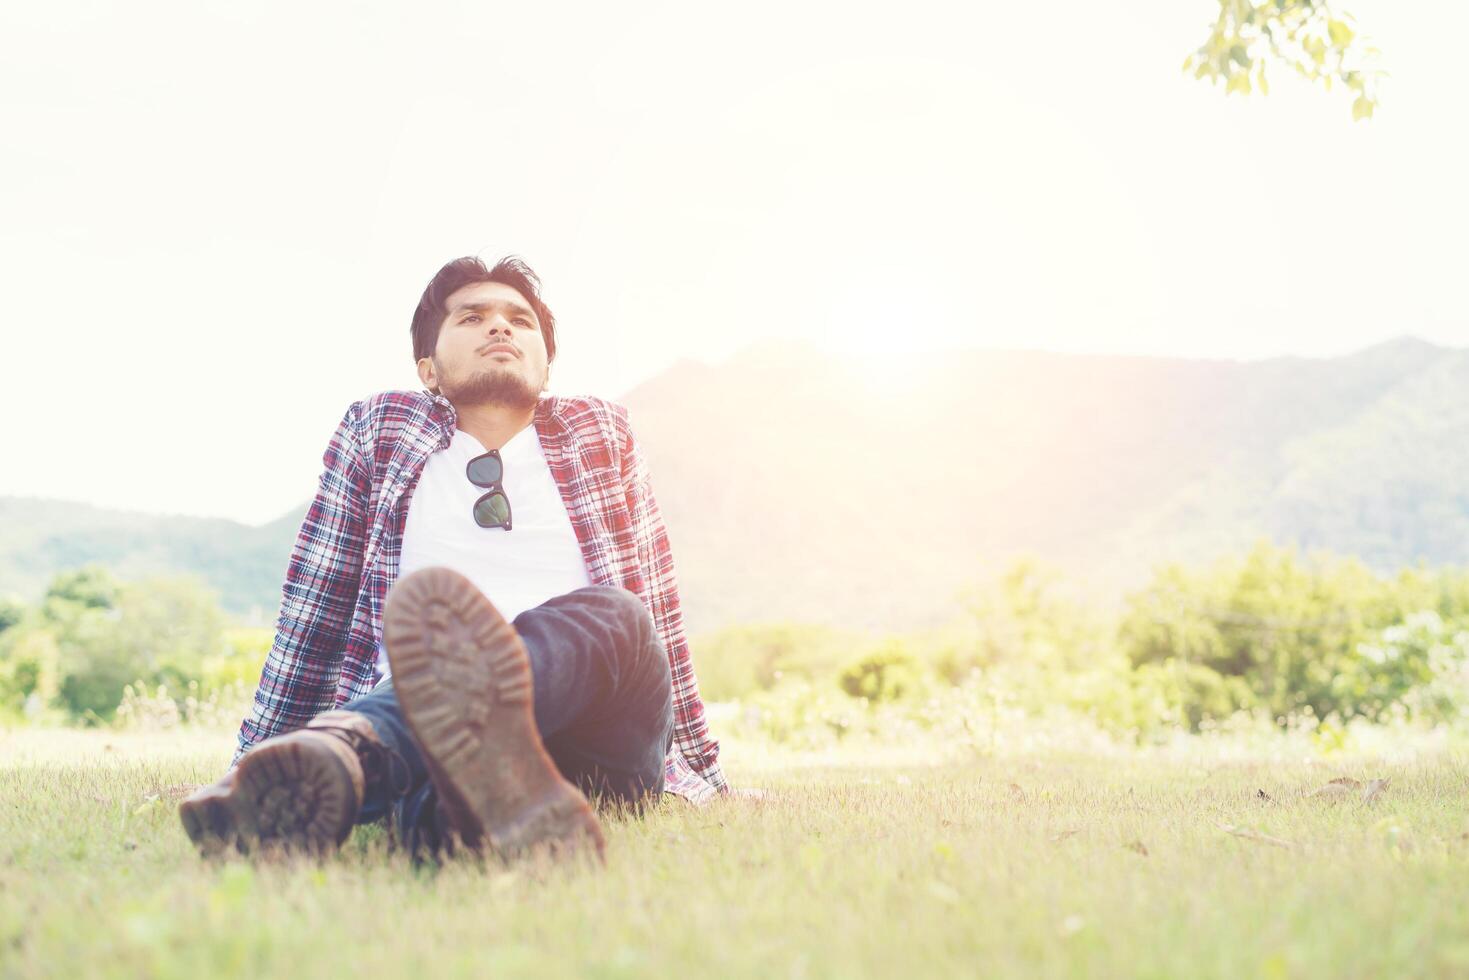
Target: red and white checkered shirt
[346,557]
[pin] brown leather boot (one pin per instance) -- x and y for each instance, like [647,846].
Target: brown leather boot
[300,791]
[463,682]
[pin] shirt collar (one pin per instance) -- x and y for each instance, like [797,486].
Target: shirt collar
[548,421]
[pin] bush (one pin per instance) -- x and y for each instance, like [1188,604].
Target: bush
[888,673]
[91,636]
[739,661]
[801,714]
[1422,664]
[1286,634]
[1031,618]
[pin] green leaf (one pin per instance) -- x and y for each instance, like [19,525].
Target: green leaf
[1341,34]
[1362,108]
[1240,55]
[1260,80]
[1239,82]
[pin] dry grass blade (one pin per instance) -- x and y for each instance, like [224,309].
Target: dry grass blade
[1063,835]
[1137,847]
[1246,833]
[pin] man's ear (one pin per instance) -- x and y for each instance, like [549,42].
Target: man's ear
[426,373]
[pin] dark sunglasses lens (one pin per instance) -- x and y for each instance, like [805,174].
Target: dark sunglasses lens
[485,470]
[492,510]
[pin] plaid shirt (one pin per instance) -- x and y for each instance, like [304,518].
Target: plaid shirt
[346,557]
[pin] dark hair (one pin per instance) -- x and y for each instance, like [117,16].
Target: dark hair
[511,270]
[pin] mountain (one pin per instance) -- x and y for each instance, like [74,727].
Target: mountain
[245,564]
[800,485]
[867,491]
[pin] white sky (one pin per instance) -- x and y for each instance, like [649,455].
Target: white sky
[215,218]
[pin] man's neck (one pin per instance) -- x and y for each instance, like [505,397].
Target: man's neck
[493,425]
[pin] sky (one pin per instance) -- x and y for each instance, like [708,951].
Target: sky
[215,219]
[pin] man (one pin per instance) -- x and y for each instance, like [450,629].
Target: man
[530,650]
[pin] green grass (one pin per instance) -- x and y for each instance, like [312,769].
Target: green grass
[1110,865]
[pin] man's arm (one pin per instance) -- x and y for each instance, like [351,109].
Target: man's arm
[690,730]
[322,578]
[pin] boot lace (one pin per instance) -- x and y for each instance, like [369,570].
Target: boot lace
[382,765]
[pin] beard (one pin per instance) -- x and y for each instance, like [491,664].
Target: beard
[494,386]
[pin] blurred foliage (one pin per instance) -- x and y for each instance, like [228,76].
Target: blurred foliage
[72,656]
[1317,41]
[1286,634]
[1273,637]
[887,673]
[743,659]
[1030,615]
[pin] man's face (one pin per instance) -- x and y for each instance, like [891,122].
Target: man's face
[490,349]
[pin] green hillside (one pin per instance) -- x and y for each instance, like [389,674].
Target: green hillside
[245,564]
[810,489]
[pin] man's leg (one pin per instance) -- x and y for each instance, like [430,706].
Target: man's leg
[602,703]
[603,694]
[380,705]
[299,790]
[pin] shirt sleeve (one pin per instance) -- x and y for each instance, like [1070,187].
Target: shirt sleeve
[322,580]
[690,730]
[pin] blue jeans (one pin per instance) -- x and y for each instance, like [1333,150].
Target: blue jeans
[603,705]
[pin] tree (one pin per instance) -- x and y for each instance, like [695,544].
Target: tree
[12,611]
[1287,633]
[93,635]
[90,587]
[1320,43]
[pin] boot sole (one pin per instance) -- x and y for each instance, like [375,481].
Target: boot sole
[464,684]
[291,796]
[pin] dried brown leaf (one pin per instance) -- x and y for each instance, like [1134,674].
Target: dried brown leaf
[1138,847]
[1345,788]
[1374,789]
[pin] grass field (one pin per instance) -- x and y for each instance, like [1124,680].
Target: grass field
[1103,865]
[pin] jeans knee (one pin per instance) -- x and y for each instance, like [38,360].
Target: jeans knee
[625,604]
[629,613]
[645,646]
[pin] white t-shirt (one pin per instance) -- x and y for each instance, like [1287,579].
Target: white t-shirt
[538,558]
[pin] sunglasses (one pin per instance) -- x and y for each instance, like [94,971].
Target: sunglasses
[493,509]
